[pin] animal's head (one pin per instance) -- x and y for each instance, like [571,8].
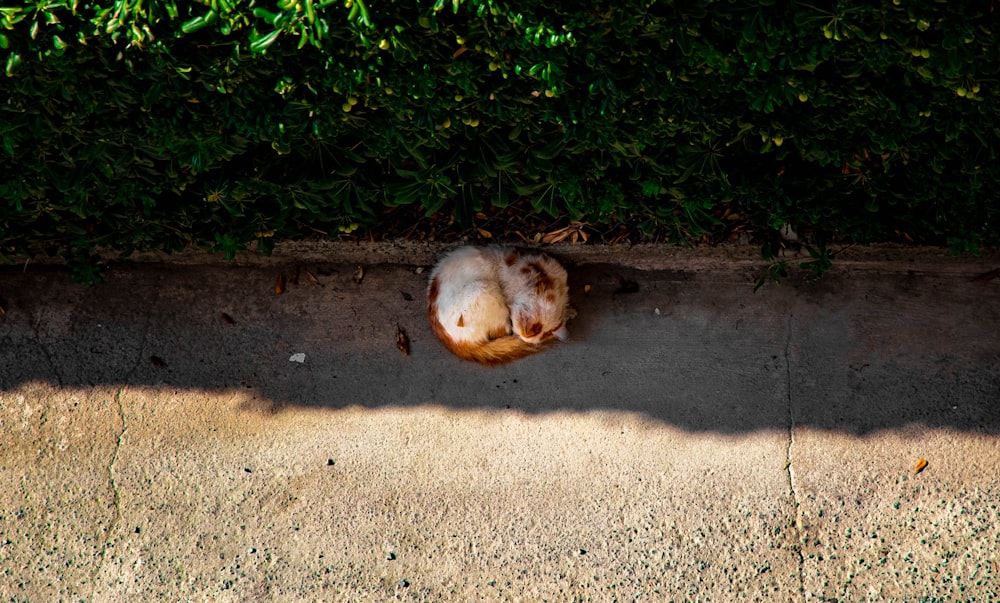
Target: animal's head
[532,330]
[542,314]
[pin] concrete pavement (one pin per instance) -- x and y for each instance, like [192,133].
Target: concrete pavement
[183,433]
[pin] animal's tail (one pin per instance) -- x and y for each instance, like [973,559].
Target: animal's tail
[494,351]
[501,350]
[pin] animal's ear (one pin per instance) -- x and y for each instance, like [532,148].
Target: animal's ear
[534,329]
[461,321]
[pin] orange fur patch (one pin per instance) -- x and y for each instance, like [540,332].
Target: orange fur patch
[534,329]
[543,282]
[461,321]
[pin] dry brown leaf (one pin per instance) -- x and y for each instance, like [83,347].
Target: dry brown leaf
[279,285]
[586,289]
[921,465]
[359,274]
[485,233]
[574,232]
[555,236]
[227,318]
[459,52]
[312,278]
[402,341]
[2,311]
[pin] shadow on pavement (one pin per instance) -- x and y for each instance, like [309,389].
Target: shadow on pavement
[854,351]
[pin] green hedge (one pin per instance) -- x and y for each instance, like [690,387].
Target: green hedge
[155,124]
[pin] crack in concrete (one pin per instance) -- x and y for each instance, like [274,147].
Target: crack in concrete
[119,444]
[116,493]
[789,468]
[36,328]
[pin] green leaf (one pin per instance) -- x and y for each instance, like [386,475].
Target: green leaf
[259,44]
[200,22]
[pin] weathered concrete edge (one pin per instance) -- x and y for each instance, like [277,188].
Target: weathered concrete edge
[646,256]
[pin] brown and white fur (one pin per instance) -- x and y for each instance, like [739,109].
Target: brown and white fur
[493,305]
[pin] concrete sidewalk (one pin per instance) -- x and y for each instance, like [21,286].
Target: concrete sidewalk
[160,439]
